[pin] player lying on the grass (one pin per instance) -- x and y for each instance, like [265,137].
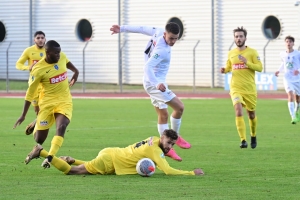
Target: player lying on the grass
[121,161]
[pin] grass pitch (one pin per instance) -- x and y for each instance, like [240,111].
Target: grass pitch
[271,171]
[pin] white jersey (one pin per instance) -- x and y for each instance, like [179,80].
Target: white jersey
[157,54]
[290,63]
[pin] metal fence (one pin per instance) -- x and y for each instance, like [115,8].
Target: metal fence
[191,67]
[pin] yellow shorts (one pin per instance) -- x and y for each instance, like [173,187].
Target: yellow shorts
[46,119]
[102,164]
[248,101]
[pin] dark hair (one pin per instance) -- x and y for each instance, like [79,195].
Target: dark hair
[289,38]
[170,133]
[242,29]
[172,27]
[51,44]
[39,33]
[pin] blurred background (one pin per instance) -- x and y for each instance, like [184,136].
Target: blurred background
[113,63]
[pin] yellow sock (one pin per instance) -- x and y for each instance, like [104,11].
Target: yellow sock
[252,124]
[55,145]
[44,153]
[241,127]
[60,165]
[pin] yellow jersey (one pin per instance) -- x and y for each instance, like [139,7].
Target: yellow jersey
[243,75]
[53,79]
[125,159]
[32,55]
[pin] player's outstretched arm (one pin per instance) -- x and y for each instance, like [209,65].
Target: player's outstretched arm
[74,78]
[22,118]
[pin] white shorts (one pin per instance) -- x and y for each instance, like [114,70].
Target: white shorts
[159,98]
[292,86]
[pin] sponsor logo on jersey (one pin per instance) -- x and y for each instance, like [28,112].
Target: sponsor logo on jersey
[239,66]
[155,56]
[58,78]
[162,155]
[56,67]
[154,43]
[44,123]
[41,54]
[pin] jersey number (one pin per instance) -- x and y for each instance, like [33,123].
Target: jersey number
[140,144]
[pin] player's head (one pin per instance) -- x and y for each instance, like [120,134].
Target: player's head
[171,33]
[240,36]
[39,39]
[167,140]
[289,42]
[52,51]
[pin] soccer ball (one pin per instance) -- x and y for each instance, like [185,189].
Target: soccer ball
[145,167]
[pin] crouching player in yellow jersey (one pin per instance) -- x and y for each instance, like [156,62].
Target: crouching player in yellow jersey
[122,161]
[56,104]
[243,61]
[32,55]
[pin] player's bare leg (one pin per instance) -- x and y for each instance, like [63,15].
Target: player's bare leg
[162,124]
[175,120]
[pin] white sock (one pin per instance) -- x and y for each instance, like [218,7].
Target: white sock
[291,106]
[175,124]
[298,106]
[161,128]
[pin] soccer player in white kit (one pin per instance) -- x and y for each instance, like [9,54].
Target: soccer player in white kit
[290,65]
[157,62]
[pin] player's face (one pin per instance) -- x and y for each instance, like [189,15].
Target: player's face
[289,44]
[40,40]
[166,143]
[53,55]
[239,39]
[171,38]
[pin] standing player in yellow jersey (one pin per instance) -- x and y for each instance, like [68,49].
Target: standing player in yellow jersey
[32,55]
[122,161]
[56,104]
[243,61]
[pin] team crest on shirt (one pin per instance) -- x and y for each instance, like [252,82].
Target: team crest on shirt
[162,155]
[44,123]
[156,56]
[32,78]
[258,58]
[41,54]
[236,99]
[56,67]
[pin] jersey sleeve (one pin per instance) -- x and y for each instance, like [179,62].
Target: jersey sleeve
[157,57]
[228,66]
[256,64]
[34,82]
[146,30]
[20,65]
[159,158]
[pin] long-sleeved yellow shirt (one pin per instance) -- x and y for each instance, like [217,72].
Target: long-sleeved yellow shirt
[32,55]
[243,75]
[125,159]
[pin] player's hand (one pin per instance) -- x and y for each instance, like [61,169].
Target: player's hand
[30,68]
[198,172]
[296,72]
[115,29]
[222,70]
[36,110]
[161,87]
[243,59]
[73,80]
[276,73]
[19,121]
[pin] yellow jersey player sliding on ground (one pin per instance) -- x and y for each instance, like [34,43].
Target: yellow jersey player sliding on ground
[121,161]
[243,61]
[56,104]
[32,55]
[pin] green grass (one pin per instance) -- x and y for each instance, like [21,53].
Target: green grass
[271,171]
